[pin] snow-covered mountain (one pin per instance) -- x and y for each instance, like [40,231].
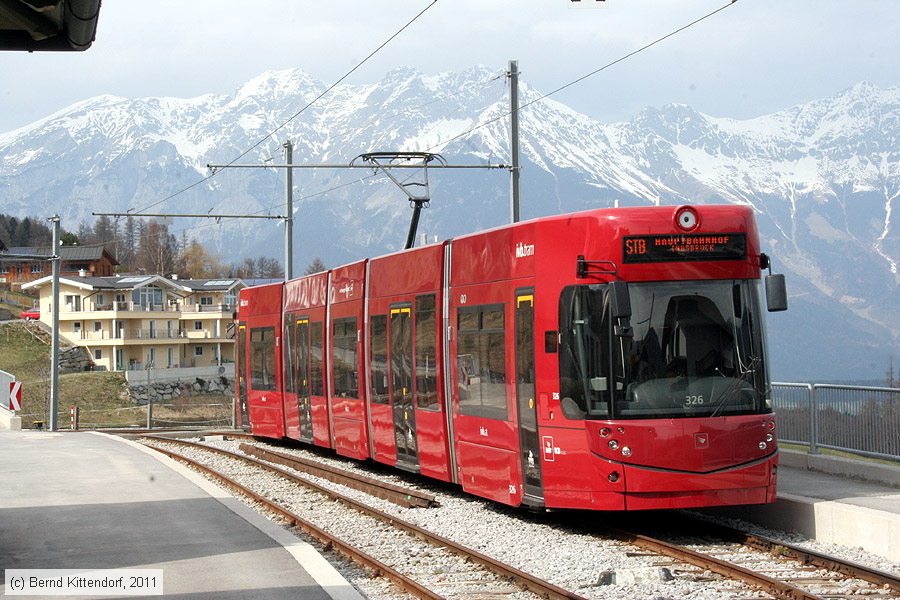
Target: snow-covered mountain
[823,177]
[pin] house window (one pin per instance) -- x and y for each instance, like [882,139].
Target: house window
[148,297]
[76,326]
[120,297]
[170,357]
[98,326]
[198,325]
[37,267]
[198,350]
[101,299]
[72,302]
[98,354]
[205,300]
[151,358]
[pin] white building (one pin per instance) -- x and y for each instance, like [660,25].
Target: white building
[138,321]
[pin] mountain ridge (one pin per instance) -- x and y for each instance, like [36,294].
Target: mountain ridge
[822,177]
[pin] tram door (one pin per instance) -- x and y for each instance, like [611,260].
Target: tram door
[242,374]
[402,387]
[529,442]
[304,405]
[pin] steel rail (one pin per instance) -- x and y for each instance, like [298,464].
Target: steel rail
[522,579]
[778,589]
[810,557]
[405,497]
[803,555]
[328,540]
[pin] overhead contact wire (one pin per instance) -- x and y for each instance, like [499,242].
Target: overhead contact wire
[591,74]
[296,114]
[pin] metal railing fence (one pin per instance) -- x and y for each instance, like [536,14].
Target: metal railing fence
[856,419]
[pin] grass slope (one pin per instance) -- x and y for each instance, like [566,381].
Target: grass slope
[101,397]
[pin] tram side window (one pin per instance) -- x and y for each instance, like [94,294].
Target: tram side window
[379,368]
[262,358]
[426,353]
[346,373]
[316,381]
[481,362]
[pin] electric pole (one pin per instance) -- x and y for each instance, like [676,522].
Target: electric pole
[54,346]
[513,75]
[289,213]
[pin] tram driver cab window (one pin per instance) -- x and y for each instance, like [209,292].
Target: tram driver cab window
[584,326]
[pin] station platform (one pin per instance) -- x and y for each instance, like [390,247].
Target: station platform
[834,500]
[95,501]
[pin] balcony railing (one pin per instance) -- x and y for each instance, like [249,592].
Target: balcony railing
[132,334]
[207,308]
[129,306]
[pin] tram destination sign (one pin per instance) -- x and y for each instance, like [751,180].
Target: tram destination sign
[684,247]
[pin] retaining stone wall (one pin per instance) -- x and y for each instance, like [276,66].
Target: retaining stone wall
[74,360]
[163,391]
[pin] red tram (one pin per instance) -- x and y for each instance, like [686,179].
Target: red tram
[609,360]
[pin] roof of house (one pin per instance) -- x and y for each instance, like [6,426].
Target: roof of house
[130,281]
[210,285]
[67,253]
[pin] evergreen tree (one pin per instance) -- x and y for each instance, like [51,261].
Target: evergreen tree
[316,266]
[23,232]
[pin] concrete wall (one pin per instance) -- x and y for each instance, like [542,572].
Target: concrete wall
[186,374]
[9,420]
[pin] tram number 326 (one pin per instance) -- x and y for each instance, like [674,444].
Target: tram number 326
[693,400]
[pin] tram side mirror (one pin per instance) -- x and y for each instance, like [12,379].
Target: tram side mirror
[620,299]
[776,293]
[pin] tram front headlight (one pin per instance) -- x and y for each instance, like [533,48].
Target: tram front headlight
[626,451]
[613,444]
[769,437]
[604,432]
[762,445]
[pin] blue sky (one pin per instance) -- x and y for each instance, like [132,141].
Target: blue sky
[755,57]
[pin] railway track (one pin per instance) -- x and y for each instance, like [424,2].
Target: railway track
[770,566]
[420,562]
[777,569]
[805,556]
[406,497]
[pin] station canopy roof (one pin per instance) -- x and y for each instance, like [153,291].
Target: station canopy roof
[48,25]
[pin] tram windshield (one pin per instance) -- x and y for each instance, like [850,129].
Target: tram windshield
[696,351]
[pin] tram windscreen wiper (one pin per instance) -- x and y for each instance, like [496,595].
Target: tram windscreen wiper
[735,385]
